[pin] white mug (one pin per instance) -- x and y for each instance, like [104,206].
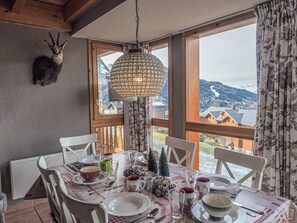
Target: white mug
[202,186]
[134,184]
[191,196]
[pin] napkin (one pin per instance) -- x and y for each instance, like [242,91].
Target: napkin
[255,200]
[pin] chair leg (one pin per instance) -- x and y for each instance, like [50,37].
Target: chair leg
[2,218]
[54,220]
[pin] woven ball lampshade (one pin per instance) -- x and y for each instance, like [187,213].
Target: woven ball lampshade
[137,74]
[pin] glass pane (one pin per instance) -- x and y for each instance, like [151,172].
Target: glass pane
[227,76]
[110,139]
[160,101]
[105,62]
[207,143]
[159,136]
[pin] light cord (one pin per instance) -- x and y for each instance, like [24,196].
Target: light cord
[137,22]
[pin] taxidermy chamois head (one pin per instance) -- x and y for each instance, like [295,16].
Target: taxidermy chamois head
[46,70]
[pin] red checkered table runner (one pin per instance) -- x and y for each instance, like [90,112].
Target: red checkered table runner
[280,210]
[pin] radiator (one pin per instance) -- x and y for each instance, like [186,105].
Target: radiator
[24,172]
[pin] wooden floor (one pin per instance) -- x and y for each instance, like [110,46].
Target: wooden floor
[31,211]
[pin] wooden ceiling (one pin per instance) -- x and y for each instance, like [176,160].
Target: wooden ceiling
[52,14]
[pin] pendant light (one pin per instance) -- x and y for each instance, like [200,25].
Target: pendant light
[137,73]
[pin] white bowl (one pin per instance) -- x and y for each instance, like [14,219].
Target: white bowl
[217,205]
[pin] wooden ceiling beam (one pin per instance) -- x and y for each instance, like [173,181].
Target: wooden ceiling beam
[17,5]
[54,2]
[76,8]
[36,14]
[96,12]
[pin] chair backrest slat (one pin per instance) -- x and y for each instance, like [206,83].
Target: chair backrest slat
[64,212]
[244,178]
[255,163]
[83,211]
[240,159]
[228,170]
[68,142]
[184,145]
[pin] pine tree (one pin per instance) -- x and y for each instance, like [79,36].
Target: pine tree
[163,164]
[152,163]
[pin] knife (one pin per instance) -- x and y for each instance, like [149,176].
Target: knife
[113,187]
[248,208]
[160,219]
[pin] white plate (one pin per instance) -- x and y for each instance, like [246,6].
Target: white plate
[127,204]
[79,180]
[236,215]
[221,182]
[142,159]
[88,160]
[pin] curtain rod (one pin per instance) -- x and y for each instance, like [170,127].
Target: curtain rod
[216,20]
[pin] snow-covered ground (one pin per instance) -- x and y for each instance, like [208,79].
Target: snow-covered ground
[217,94]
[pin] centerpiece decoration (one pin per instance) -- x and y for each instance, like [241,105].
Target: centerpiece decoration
[136,170]
[161,186]
[152,162]
[163,164]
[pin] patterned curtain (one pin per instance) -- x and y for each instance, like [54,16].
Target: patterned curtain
[276,130]
[137,120]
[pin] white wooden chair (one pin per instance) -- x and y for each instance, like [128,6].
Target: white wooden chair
[255,163]
[45,174]
[67,142]
[183,145]
[83,211]
[65,215]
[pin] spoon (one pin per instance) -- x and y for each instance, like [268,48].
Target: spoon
[111,183]
[151,214]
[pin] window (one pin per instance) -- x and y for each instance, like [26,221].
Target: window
[221,91]
[159,136]
[160,104]
[105,62]
[106,115]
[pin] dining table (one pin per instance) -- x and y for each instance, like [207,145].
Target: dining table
[274,208]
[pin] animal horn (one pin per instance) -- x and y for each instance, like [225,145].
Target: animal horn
[47,43]
[52,38]
[63,44]
[58,38]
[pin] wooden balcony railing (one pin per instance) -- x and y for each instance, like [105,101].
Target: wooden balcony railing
[110,139]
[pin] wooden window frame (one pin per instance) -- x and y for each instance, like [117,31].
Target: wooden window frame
[97,120]
[191,81]
[159,121]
